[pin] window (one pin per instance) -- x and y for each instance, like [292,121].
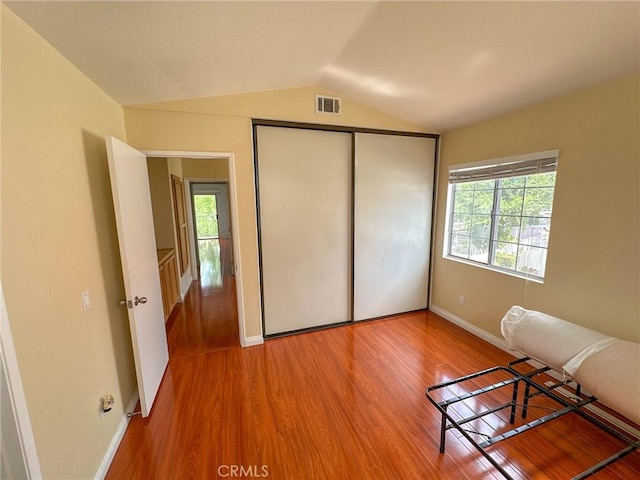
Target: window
[499,212]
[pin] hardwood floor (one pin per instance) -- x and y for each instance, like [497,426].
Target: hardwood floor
[208,318]
[341,403]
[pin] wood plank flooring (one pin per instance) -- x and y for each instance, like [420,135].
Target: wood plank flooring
[341,403]
[208,318]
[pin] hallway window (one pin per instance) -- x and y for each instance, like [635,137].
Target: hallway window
[499,213]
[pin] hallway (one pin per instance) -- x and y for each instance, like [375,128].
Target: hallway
[208,318]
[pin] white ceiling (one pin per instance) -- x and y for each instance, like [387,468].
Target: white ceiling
[436,64]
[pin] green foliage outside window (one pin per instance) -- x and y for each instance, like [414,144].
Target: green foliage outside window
[206,214]
[503,222]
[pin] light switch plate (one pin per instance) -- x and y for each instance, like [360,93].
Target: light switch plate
[86,300]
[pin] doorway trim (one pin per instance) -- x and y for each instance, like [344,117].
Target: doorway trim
[233,210]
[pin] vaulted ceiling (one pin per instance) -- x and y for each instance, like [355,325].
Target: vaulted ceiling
[436,64]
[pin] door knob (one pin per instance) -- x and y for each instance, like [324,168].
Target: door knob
[138,300]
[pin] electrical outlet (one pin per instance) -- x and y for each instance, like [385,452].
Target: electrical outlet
[461,299]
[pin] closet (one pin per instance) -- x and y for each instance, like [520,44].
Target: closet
[344,223]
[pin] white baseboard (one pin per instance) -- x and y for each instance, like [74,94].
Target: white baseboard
[493,340]
[478,332]
[252,341]
[103,468]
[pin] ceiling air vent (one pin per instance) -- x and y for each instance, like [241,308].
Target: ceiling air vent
[326,104]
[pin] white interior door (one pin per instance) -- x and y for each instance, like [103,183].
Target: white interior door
[18,454]
[305,224]
[393,196]
[134,221]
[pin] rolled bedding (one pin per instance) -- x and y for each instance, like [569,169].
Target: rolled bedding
[612,375]
[605,366]
[540,336]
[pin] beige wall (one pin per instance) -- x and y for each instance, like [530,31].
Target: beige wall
[223,124]
[175,166]
[58,239]
[593,265]
[160,187]
[294,104]
[215,168]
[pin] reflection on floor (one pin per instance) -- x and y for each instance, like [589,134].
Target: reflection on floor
[344,403]
[208,318]
[210,264]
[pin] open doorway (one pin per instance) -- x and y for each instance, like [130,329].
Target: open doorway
[205,215]
[209,316]
[211,233]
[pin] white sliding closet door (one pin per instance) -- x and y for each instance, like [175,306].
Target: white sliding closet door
[304,181]
[393,196]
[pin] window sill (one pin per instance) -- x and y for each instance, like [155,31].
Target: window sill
[484,266]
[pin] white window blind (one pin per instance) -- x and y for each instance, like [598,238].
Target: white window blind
[529,164]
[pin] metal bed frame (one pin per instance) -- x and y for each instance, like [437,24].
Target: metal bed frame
[531,389]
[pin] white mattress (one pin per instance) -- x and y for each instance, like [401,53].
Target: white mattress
[552,341]
[612,375]
[605,366]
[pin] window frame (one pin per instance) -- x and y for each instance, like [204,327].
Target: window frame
[497,169]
